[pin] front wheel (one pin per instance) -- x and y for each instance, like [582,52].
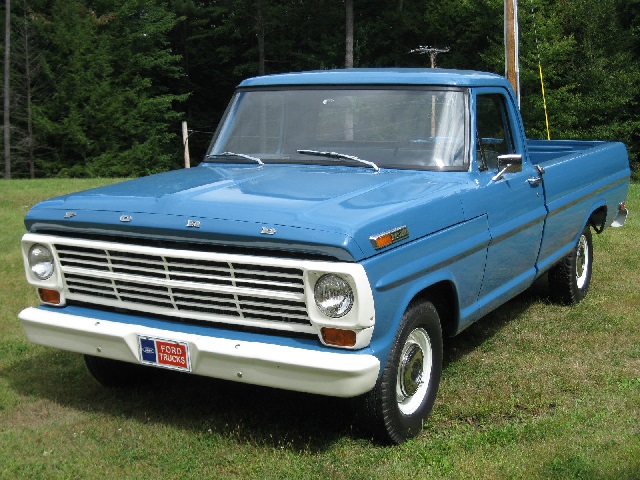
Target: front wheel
[569,280]
[396,408]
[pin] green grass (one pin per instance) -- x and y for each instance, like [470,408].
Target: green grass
[534,390]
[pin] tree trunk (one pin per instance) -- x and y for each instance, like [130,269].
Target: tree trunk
[348,59]
[399,47]
[28,84]
[260,34]
[7,72]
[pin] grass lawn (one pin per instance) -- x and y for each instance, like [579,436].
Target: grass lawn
[534,390]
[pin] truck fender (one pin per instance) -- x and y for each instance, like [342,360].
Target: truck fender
[440,288]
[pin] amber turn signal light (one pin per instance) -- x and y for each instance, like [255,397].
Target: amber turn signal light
[388,238]
[383,241]
[49,296]
[338,337]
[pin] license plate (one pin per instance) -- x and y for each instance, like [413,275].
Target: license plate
[164,353]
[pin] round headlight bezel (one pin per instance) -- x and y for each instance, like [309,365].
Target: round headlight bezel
[41,262]
[334,296]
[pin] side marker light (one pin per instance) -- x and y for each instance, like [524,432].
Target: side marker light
[388,238]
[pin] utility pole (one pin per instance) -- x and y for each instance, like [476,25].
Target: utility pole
[7,74]
[431,51]
[511,46]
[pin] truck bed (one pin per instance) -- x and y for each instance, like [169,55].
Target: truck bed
[541,151]
[581,177]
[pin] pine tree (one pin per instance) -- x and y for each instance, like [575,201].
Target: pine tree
[26,93]
[111,113]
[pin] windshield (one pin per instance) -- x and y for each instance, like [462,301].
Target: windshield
[393,128]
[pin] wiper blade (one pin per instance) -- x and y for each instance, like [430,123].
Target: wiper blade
[342,156]
[239,155]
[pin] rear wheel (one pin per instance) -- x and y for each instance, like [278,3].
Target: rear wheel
[569,280]
[396,408]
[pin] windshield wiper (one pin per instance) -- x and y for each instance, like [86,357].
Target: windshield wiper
[239,155]
[342,156]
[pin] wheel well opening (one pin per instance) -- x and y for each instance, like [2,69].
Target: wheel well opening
[443,296]
[598,219]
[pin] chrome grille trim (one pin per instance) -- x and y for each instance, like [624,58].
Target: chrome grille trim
[190,285]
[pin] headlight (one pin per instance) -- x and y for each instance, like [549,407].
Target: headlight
[333,295]
[41,261]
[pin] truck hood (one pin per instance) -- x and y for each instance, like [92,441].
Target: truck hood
[326,210]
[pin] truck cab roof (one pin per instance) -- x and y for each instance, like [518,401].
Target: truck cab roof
[380,76]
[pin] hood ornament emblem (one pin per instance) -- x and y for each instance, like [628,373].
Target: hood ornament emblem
[69,214]
[125,218]
[193,223]
[268,231]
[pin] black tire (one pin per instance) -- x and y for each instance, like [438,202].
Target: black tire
[569,280]
[396,408]
[114,373]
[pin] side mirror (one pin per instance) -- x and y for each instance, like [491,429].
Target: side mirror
[510,163]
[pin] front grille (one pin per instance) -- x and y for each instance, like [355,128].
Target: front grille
[201,286]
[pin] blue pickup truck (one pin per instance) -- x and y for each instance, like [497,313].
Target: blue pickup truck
[341,224]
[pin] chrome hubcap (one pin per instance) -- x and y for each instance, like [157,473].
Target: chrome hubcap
[411,370]
[582,261]
[414,371]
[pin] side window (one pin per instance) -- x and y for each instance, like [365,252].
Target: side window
[492,130]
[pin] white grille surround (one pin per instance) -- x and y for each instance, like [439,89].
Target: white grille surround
[242,290]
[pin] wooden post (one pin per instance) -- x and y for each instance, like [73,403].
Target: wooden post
[185,142]
[512,69]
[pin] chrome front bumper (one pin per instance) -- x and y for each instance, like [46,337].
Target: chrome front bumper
[278,366]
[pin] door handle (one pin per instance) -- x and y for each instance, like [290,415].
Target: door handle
[535,181]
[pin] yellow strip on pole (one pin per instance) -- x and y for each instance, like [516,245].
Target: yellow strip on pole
[544,102]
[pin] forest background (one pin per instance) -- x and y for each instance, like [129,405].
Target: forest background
[100,87]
